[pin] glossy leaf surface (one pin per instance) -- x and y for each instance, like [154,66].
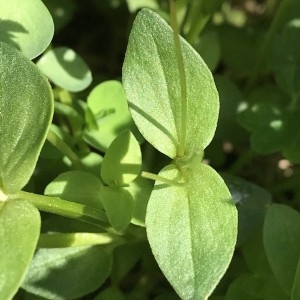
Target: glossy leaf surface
[27,25]
[192,230]
[19,232]
[282,243]
[66,69]
[152,85]
[26,108]
[122,161]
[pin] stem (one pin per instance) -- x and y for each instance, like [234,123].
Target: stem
[57,142]
[182,78]
[61,240]
[64,208]
[156,177]
[265,46]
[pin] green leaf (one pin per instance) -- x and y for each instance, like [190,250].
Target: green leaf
[108,103]
[282,243]
[67,273]
[77,186]
[26,108]
[285,58]
[122,161]
[252,202]
[192,230]
[66,69]
[296,286]
[251,287]
[19,232]
[109,294]
[27,25]
[152,85]
[119,205]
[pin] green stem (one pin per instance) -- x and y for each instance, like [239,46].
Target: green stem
[57,142]
[182,78]
[265,46]
[64,208]
[61,240]
[156,177]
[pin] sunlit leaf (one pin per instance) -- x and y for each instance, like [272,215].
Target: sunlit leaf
[66,69]
[19,232]
[27,25]
[26,108]
[192,230]
[122,161]
[152,85]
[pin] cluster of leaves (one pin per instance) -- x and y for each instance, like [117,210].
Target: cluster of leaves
[80,215]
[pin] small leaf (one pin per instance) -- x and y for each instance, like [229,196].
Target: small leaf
[19,232]
[77,186]
[26,108]
[108,103]
[119,205]
[122,161]
[192,230]
[152,85]
[68,273]
[66,69]
[27,25]
[282,243]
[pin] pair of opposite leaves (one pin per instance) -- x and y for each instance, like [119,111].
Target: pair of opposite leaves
[191,228]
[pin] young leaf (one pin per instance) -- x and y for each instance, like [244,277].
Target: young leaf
[192,230]
[108,103]
[68,273]
[119,205]
[19,232]
[152,85]
[122,161]
[66,69]
[26,25]
[26,108]
[282,243]
[77,186]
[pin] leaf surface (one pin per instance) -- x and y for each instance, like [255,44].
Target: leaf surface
[192,230]
[152,85]
[66,69]
[26,25]
[26,108]
[19,232]
[282,243]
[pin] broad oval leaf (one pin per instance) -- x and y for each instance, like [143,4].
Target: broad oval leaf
[27,25]
[19,232]
[77,186]
[107,101]
[282,243]
[192,230]
[122,161]
[152,85]
[66,69]
[26,108]
[68,273]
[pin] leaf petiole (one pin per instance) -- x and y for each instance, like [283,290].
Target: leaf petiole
[156,177]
